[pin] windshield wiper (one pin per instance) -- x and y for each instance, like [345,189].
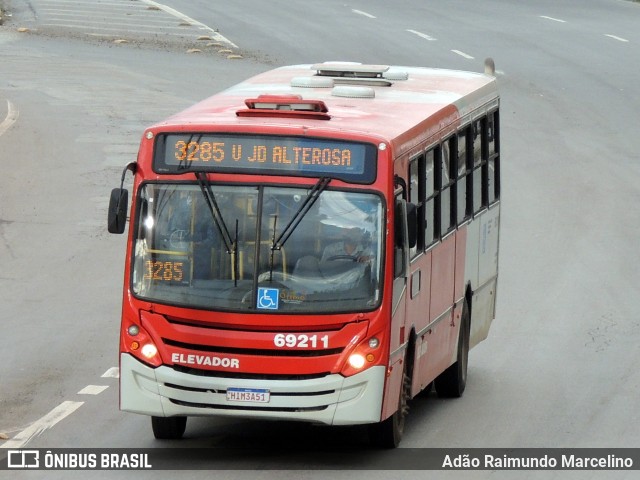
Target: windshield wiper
[312,196]
[205,186]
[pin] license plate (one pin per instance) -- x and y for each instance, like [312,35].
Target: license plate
[255,395]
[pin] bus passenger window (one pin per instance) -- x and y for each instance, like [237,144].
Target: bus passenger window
[445,189]
[429,214]
[494,166]
[477,164]
[416,196]
[492,132]
[461,182]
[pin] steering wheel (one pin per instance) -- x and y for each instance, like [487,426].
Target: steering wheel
[353,258]
[246,297]
[177,238]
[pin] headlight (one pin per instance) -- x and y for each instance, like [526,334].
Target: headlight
[356,361]
[149,350]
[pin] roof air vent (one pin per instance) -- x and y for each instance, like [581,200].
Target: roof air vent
[346,91]
[396,75]
[312,82]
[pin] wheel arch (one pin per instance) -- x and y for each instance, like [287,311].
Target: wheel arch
[411,359]
[468,297]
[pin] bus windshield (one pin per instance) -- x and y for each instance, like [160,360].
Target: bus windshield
[329,259]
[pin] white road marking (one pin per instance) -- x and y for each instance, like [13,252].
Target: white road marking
[422,35]
[113,372]
[12,116]
[462,54]
[115,26]
[553,19]
[93,389]
[360,12]
[74,3]
[620,39]
[191,21]
[38,427]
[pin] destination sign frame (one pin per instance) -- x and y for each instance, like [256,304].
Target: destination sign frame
[265,155]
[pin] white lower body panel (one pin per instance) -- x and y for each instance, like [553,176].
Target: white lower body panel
[331,400]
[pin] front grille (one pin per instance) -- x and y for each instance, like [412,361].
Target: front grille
[246,376]
[246,408]
[273,394]
[253,351]
[243,329]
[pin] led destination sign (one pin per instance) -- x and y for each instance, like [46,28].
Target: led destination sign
[301,156]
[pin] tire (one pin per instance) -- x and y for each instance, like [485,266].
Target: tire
[452,382]
[388,433]
[168,428]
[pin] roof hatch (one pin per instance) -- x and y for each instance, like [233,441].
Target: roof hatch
[359,74]
[284,106]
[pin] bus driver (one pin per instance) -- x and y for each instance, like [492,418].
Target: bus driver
[350,247]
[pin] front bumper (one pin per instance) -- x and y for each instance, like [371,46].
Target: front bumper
[331,400]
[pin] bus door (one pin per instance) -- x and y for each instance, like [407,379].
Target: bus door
[404,238]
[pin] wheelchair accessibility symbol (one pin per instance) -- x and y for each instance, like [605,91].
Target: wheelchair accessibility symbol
[268,298]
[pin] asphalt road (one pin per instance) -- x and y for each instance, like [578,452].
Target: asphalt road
[140,22]
[559,368]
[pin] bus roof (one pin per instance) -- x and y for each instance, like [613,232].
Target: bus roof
[373,100]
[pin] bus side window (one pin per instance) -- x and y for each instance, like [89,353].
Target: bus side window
[446,183]
[462,212]
[416,196]
[478,160]
[399,265]
[490,159]
[493,140]
[430,198]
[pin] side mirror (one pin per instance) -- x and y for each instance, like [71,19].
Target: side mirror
[410,211]
[398,263]
[399,230]
[118,206]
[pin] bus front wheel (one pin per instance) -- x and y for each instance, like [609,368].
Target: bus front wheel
[168,428]
[388,433]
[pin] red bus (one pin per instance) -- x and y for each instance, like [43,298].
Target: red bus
[318,243]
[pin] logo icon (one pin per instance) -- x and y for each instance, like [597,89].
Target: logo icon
[23,459]
[268,298]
